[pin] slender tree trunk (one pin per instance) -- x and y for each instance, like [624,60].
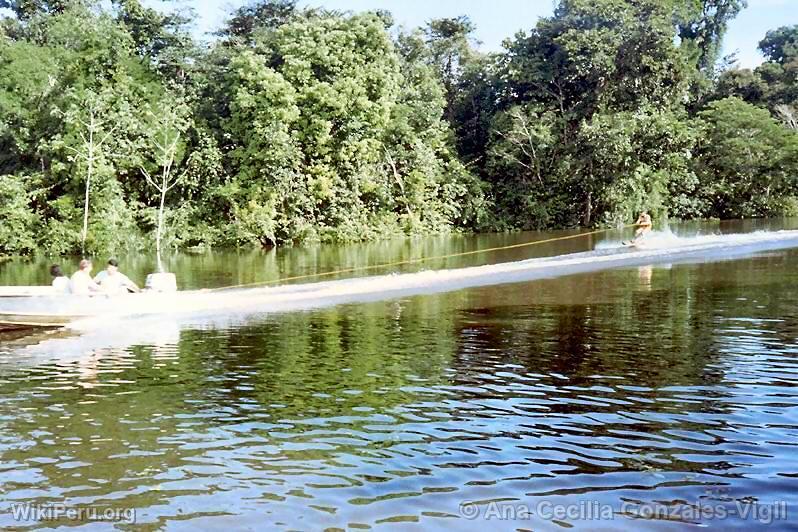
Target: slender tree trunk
[399,181]
[166,159]
[160,225]
[450,90]
[85,231]
[589,209]
[89,171]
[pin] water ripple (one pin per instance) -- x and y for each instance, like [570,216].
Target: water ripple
[397,414]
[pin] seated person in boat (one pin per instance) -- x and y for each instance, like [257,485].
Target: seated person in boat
[112,281]
[643,225]
[81,283]
[60,281]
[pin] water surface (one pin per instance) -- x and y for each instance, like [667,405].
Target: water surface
[632,390]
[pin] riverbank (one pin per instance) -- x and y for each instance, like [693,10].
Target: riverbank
[243,266]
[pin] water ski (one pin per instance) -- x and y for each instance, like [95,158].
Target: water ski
[637,244]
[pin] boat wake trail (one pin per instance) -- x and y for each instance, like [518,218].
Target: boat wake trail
[659,250]
[223,308]
[229,302]
[372,288]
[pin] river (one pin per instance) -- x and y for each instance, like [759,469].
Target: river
[655,397]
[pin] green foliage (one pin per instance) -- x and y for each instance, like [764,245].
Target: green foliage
[448,43]
[62,228]
[643,163]
[163,40]
[592,130]
[338,137]
[312,125]
[523,152]
[270,14]
[746,160]
[701,26]
[743,83]
[592,123]
[774,83]
[781,45]
[27,9]
[18,230]
[113,229]
[596,54]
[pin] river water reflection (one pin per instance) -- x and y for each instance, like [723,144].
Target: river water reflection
[652,397]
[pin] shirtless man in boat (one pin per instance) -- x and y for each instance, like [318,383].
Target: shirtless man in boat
[81,283]
[112,281]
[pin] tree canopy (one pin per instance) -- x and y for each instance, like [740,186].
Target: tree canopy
[301,125]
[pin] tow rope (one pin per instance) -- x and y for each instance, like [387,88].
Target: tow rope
[411,261]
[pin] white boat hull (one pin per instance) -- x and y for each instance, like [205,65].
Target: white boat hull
[31,307]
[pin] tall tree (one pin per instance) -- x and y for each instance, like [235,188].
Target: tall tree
[317,120]
[27,9]
[780,72]
[747,161]
[162,40]
[260,14]
[702,24]
[781,45]
[774,83]
[449,41]
[168,121]
[591,60]
[93,131]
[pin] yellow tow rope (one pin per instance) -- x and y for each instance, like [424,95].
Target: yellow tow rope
[411,261]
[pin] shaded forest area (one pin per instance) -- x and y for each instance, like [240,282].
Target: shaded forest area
[303,125]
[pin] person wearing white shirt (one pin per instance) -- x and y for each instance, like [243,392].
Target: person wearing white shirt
[60,281]
[112,281]
[81,283]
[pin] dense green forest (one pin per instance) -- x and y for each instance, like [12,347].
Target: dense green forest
[300,125]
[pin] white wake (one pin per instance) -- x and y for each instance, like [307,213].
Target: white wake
[659,249]
[157,319]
